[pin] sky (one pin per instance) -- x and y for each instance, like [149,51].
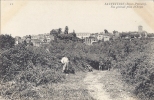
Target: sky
[32,17]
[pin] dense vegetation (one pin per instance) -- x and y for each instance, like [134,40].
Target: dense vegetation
[30,66]
[23,68]
[6,41]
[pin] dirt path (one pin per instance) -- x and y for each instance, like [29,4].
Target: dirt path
[103,85]
[97,85]
[1,98]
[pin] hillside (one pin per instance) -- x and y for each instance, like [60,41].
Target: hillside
[25,68]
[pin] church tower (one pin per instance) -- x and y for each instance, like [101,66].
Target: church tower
[140,29]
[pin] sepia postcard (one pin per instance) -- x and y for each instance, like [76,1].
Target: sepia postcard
[77,50]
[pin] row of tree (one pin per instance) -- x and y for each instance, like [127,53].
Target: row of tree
[57,33]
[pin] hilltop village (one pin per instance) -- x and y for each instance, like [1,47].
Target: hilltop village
[87,38]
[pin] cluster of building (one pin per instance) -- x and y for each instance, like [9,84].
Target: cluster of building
[88,38]
[35,40]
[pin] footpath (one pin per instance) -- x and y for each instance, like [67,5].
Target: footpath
[108,85]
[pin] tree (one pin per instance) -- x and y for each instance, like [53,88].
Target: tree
[106,31]
[54,32]
[114,32]
[6,41]
[59,30]
[45,40]
[66,30]
[74,34]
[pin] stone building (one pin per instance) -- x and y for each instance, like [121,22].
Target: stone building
[90,40]
[82,35]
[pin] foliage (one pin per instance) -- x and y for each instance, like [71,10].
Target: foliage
[66,30]
[150,35]
[36,65]
[106,31]
[129,34]
[27,67]
[130,57]
[70,36]
[6,41]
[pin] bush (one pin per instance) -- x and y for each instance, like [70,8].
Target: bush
[6,41]
[38,66]
[27,67]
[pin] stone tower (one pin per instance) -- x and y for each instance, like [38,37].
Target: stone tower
[140,29]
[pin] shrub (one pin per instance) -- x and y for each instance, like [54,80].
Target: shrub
[27,66]
[6,41]
[35,65]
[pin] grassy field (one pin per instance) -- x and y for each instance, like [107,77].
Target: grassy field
[72,88]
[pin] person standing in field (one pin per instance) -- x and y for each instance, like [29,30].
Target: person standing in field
[65,61]
[108,64]
[101,65]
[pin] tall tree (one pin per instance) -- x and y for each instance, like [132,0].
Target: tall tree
[59,30]
[74,34]
[66,30]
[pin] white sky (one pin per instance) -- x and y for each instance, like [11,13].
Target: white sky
[38,17]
